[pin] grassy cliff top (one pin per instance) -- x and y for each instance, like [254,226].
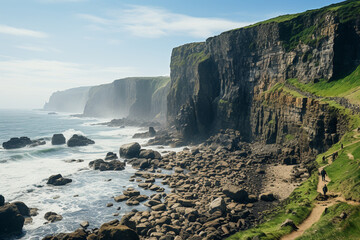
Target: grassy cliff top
[346,11]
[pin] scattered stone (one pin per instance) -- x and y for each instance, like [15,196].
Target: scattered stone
[217,205]
[109,205]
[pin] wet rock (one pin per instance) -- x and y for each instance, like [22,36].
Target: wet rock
[79,140]
[149,154]
[15,142]
[58,180]
[11,221]
[113,165]
[109,205]
[23,209]
[236,193]
[52,217]
[79,234]
[130,150]
[58,139]
[84,224]
[112,232]
[150,133]
[121,198]
[2,200]
[111,156]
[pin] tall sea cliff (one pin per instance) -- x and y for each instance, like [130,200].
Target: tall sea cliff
[237,79]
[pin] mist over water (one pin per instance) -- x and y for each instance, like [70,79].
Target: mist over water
[24,171]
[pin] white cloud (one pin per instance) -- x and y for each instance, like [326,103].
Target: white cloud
[150,22]
[31,82]
[37,48]
[5,29]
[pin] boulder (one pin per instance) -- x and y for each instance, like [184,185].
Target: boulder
[58,139]
[52,217]
[236,193]
[23,209]
[58,180]
[267,197]
[113,232]
[114,165]
[11,220]
[2,200]
[130,150]
[17,143]
[217,205]
[148,153]
[79,140]
[78,234]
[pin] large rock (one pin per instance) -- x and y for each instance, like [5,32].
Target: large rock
[79,140]
[78,234]
[130,150]
[116,232]
[148,153]
[11,220]
[2,200]
[58,139]
[58,180]
[235,193]
[17,143]
[114,165]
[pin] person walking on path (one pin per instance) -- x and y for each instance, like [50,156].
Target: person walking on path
[325,189]
[323,174]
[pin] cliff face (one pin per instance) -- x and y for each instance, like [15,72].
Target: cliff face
[221,83]
[142,98]
[72,100]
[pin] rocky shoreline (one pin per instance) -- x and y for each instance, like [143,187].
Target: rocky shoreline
[216,189]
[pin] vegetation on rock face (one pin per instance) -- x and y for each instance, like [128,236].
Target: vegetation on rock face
[294,29]
[348,87]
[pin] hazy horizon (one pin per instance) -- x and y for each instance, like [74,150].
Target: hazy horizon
[53,45]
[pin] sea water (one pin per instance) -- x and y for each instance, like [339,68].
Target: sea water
[24,171]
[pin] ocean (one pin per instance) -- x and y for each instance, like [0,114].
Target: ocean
[24,171]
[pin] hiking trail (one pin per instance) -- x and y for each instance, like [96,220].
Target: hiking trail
[320,206]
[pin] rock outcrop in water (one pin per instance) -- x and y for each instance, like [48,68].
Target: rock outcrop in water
[70,100]
[12,216]
[78,141]
[21,142]
[230,80]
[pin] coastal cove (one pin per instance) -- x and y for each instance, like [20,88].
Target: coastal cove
[24,171]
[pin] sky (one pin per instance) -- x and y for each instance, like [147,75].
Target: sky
[51,45]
